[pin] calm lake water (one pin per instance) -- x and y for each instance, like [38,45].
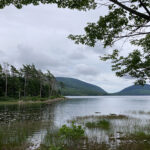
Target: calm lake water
[23,124]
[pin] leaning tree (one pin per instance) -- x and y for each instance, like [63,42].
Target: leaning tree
[126,19]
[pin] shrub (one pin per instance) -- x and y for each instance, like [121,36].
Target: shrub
[56,148]
[73,132]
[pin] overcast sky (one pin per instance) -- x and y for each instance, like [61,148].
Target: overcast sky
[39,35]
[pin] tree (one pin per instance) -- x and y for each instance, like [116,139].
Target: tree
[6,72]
[15,84]
[41,80]
[72,4]
[25,72]
[125,20]
[27,81]
[61,85]
[2,81]
[51,82]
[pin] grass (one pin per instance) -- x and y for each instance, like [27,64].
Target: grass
[127,134]
[12,101]
[64,138]
[117,132]
[8,102]
[104,132]
[103,124]
[56,148]
[14,137]
[135,141]
[111,116]
[137,136]
[141,136]
[140,112]
[82,119]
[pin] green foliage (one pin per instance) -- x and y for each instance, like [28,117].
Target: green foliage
[72,4]
[127,20]
[73,132]
[33,98]
[26,83]
[56,148]
[135,65]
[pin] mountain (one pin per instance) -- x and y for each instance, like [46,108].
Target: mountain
[76,87]
[135,90]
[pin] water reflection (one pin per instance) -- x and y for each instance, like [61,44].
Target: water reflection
[21,125]
[78,106]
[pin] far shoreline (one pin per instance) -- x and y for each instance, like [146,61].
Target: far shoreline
[22,102]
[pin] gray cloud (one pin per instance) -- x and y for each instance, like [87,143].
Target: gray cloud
[77,56]
[39,35]
[87,70]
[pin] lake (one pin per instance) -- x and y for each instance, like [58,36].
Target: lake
[25,126]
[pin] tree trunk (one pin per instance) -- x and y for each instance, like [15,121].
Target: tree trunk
[53,85]
[40,90]
[49,91]
[19,94]
[6,85]
[25,86]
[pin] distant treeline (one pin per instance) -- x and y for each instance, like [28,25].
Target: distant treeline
[27,81]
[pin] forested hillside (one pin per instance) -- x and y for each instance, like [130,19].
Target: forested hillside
[72,86]
[135,90]
[27,81]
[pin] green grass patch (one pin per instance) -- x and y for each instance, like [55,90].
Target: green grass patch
[103,124]
[140,135]
[11,101]
[79,119]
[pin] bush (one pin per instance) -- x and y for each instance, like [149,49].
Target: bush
[73,132]
[56,148]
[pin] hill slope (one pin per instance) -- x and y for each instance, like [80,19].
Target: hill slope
[77,87]
[135,90]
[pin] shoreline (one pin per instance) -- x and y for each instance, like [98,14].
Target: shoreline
[49,101]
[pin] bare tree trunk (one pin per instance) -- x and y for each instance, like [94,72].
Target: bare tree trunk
[6,71]
[53,85]
[40,89]
[19,94]
[49,91]
[25,82]
[6,85]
